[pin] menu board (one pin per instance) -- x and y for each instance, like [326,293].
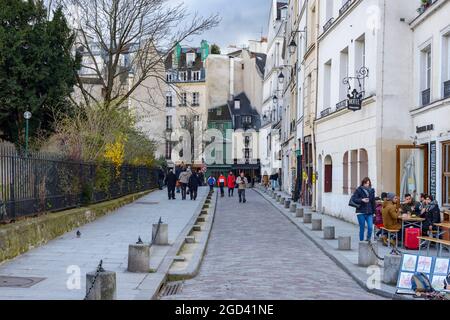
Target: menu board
[435,268]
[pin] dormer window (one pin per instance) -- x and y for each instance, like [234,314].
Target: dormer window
[190,59]
[237,104]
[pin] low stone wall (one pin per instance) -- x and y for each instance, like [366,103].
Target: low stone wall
[19,237]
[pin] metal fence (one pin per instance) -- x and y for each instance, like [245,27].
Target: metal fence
[40,182]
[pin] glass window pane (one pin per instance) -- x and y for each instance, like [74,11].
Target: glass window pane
[412,175]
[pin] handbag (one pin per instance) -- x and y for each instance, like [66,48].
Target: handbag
[353,204]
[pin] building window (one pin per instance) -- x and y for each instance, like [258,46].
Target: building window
[247,120]
[345,173]
[183,121]
[426,73]
[446,174]
[446,65]
[168,150]
[328,176]
[169,77]
[183,76]
[363,164]
[353,170]
[183,100]
[196,75]
[237,104]
[169,122]
[196,99]
[169,101]
[343,70]
[327,86]
[196,118]
[190,59]
[219,112]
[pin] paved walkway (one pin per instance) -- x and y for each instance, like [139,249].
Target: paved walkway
[106,238]
[255,253]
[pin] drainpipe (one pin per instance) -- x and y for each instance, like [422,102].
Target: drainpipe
[231,78]
[313,135]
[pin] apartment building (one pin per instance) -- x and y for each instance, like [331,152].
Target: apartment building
[426,162]
[360,43]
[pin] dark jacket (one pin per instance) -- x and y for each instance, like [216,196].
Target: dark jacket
[366,208]
[171,180]
[194,181]
[432,215]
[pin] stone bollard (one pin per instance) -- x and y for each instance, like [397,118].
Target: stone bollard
[391,268]
[139,258]
[299,212]
[293,207]
[104,287]
[366,256]
[162,238]
[328,233]
[282,200]
[316,224]
[274,196]
[345,243]
[307,218]
[287,203]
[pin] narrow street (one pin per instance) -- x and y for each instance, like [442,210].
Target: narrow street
[256,253]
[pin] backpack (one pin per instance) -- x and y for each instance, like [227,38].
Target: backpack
[421,283]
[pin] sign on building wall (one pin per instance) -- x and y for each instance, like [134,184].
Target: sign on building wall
[433,168]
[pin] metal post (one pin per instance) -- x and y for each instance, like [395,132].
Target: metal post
[26,137]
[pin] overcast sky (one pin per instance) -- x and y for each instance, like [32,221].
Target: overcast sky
[242,20]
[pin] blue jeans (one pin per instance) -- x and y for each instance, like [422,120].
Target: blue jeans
[362,219]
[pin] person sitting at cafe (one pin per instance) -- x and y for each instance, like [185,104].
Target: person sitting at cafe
[432,215]
[420,204]
[378,218]
[390,215]
[408,206]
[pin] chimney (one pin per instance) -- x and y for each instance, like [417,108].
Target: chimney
[231,78]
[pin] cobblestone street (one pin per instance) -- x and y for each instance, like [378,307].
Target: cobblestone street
[256,253]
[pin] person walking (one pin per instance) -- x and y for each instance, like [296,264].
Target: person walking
[194,183]
[171,182]
[242,182]
[221,183]
[184,180]
[160,178]
[178,171]
[364,197]
[211,183]
[231,184]
[274,179]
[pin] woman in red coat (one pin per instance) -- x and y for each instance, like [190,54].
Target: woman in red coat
[231,183]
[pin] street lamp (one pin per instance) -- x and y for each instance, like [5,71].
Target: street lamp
[275,100]
[292,47]
[281,77]
[27,116]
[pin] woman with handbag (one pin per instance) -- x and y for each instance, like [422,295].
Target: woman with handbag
[364,201]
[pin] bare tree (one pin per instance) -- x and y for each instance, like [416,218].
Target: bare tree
[125,42]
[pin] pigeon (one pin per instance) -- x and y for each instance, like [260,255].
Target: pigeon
[78,234]
[139,241]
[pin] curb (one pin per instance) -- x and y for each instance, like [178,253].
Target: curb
[337,258]
[150,287]
[194,267]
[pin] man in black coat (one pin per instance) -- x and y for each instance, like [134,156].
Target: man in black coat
[193,184]
[171,182]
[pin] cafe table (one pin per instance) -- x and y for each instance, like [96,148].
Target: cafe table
[410,222]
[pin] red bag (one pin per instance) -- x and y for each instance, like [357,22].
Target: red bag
[411,241]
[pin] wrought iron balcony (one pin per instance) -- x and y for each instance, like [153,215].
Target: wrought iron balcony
[325,112]
[328,25]
[447,89]
[345,7]
[426,97]
[341,105]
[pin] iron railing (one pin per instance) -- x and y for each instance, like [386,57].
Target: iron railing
[40,182]
[345,7]
[325,112]
[328,25]
[426,97]
[342,105]
[446,89]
